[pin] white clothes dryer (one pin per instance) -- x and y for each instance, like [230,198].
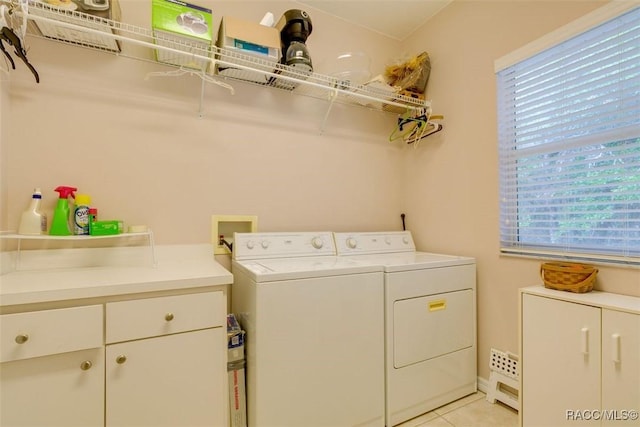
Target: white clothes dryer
[314,327]
[430,321]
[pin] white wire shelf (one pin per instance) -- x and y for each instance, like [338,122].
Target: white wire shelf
[89,31]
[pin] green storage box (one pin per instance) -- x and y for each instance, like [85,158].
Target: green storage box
[184,27]
[105,228]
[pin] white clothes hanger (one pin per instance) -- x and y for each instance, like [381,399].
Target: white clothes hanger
[413,126]
[21,30]
[182,71]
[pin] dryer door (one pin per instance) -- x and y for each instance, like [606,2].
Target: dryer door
[430,326]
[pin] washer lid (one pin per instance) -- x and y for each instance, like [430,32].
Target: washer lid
[277,269]
[406,261]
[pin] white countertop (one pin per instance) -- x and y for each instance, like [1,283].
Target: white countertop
[594,298]
[106,272]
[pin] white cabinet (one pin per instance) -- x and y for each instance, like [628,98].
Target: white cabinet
[157,361]
[173,380]
[168,372]
[561,349]
[61,390]
[620,363]
[580,358]
[52,368]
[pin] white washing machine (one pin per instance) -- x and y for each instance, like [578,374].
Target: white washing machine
[430,321]
[314,327]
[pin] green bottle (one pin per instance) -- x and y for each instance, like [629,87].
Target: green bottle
[60,223]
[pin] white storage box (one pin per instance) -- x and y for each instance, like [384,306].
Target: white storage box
[94,14]
[184,27]
[247,43]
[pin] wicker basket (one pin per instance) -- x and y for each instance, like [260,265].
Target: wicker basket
[570,277]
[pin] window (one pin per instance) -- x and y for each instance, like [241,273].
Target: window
[569,145]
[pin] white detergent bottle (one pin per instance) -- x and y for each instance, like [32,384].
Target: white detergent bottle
[33,221]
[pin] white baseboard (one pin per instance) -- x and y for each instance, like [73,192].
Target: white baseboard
[483,385]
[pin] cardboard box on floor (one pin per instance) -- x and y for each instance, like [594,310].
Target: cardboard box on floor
[236,373]
[237,394]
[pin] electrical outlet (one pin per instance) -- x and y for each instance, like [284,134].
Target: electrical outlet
[223,227]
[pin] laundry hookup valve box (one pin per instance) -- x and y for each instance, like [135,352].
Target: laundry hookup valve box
[184,27]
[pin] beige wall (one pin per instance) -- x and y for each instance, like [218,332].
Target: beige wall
[140,149]
[451,182]
[4,126]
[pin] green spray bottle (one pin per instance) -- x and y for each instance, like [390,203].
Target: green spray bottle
[60,223]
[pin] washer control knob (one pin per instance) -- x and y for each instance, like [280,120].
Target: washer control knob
[250,244]
[317,242]
[387,240]
[264,244]
[352,243]
[405,240]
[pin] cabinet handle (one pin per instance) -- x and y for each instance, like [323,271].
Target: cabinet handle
[121,359]
[584,340]
[168,317]
[86,365]
[22,338]
[615,348]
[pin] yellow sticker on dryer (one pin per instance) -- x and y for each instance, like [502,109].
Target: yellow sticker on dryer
[436,305]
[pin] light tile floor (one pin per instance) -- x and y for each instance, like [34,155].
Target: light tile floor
[470,411]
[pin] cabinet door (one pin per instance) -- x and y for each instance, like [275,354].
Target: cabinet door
[620,367]
[560,361]
[59,390]
[173,380]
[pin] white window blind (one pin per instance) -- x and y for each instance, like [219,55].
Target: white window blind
[569,147]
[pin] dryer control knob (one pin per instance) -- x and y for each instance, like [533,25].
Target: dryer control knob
[352,243]
[405,240]
[250,244]
[264,244]
[317,242]
[387,240]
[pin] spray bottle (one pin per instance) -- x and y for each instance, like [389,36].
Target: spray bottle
[60,222]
